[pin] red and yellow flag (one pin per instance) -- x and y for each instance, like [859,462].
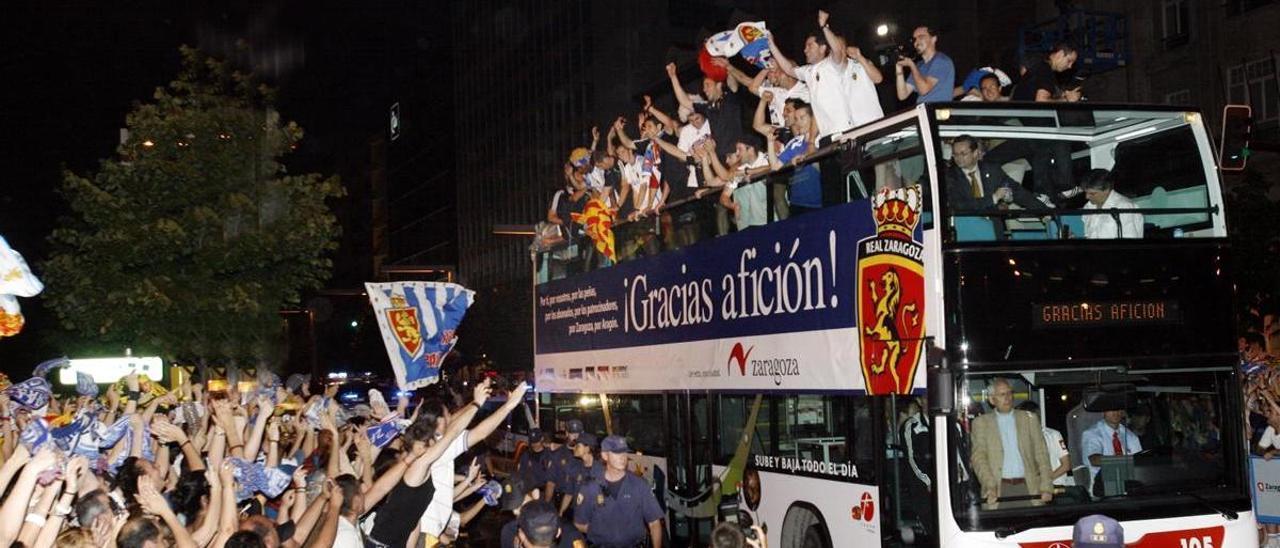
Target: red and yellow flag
[598,220]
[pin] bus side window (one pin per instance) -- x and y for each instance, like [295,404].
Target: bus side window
[892,159]
[733,415]
[638,418]
[814,428]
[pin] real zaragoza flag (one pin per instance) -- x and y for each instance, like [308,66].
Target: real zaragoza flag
[418,321]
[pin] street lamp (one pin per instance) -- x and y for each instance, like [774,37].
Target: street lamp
[882,30]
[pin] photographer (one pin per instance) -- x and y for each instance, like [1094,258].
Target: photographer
[933,77]
[733,535]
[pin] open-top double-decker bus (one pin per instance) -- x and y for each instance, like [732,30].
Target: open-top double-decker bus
[821,375]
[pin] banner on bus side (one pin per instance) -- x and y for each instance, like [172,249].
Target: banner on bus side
[768,307]
[1265,476]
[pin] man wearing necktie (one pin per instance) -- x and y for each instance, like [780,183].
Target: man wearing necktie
[976,185]
[1109,437]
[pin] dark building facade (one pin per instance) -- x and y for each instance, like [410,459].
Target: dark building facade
[531,78]
[1199,53]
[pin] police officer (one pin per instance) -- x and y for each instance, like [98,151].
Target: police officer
[585,467]
[532,466]
[619,510]
[557,461]
[574,429]
[537,526]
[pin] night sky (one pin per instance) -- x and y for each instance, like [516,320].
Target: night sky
[73,70]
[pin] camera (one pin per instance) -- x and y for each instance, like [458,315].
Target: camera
[499,383]
[907,51]
[731,513]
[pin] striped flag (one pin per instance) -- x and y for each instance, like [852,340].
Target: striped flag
[418,322]
[598,220]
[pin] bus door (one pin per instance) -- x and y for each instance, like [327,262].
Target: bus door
[906,466]
[690,505]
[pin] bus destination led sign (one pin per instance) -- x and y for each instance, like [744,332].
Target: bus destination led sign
[1088,314]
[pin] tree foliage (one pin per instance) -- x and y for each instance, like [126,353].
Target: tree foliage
[190,240]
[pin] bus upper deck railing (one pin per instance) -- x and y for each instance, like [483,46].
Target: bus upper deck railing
[1174,202]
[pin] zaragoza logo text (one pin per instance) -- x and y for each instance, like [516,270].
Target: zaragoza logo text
[775,368]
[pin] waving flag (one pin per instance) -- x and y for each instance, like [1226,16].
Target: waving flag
[32,393]
[253,477]
[35,434]
[85,386]
[49,365]
[418,322]
[146,387]
[384,431]
[16,280]
[750,40]
[598,220]
[319,408]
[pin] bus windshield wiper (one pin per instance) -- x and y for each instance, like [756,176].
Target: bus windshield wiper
[1231,515]
[1011,530]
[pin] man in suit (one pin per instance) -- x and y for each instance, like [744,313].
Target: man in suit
[973,184]
[1009,455]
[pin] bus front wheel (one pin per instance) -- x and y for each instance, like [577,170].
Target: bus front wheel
[803,528]
[815,536]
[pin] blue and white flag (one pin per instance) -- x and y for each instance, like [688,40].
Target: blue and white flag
[418,322]
[46,366]
[313,413]
[253,477]
[386,430]
[32,394]
[750,40]
[35,434]
[85,386]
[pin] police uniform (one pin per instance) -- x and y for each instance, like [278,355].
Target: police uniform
[557,465]
[570,537]
[577,475]
[532,467]
[617,514]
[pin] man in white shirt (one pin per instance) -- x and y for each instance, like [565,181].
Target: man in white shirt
[772,80]
[1109,437]
[1059,457]
[842,88]
[1099,191]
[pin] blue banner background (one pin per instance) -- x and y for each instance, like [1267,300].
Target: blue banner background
[712,261]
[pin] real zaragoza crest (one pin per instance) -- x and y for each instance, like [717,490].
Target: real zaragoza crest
[890,293]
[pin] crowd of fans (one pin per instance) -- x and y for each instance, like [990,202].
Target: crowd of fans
[1259,346]
[140,466]
[716,140]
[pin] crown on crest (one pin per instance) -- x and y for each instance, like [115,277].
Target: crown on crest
[398,301]
[896,211]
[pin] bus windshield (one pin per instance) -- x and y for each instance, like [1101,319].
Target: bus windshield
[1076,172]
[1127,444]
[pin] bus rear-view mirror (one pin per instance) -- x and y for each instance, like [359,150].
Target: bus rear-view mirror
[1237,127]
[1109,398]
